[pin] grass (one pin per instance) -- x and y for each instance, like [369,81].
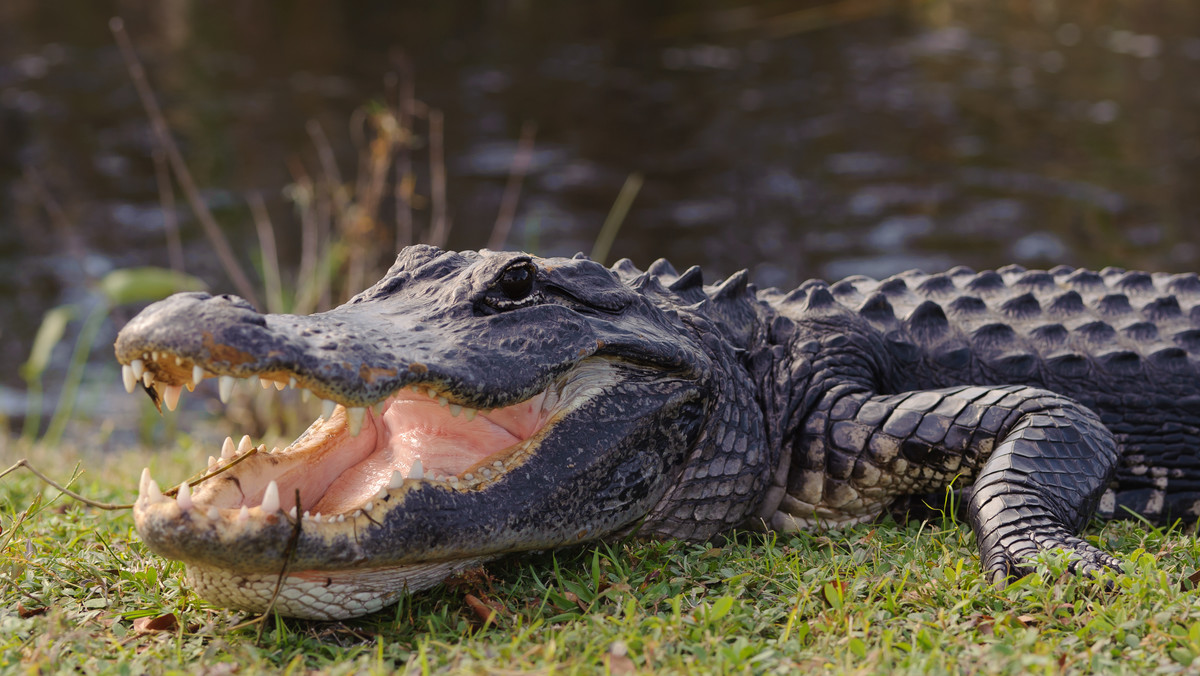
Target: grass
[79,588]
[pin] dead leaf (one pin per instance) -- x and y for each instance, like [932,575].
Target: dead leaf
[1193,579]
[711,553]
[488,611]
[149,625]
[1026,620]
[24,612]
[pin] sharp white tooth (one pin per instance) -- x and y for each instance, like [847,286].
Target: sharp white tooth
[498,464]
[245,444]
[153,494]
[432,393]
[225,387]
[138,366]
[147,379]
[367,507]
[381,494]
[214,513]
[127,378]
[191,387]
[455,409]
[197,374]
[306,515]
[270,501]
[183,497]
[317,516]
[274,450]
[179,361]
[327,408]
[144,481]
[417,471]
[487,473]
[453,480]
[244,513]
[469,477]
[291,383]
[293,512]
[227,449]
[470,414]
[171,396]
[262,448]
[305,395]
[354,418]
[146,356]
[212,462]
[415,388]
[279,385]
[153,356]
[442,401]
[341,518]
[266,384]
[397,479]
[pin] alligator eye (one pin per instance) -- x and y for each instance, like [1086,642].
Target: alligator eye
[516,283]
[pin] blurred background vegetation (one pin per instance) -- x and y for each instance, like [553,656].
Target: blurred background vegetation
[796,139]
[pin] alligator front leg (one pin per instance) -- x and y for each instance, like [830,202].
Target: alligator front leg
[1039,463]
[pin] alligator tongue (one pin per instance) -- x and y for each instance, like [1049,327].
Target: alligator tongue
[415,427]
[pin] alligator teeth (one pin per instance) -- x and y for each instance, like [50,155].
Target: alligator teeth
[270,501]
[266,384]
[431,392]
[455,409]
[487,473]
[214,513]
[183,497]
[212,462]
[293,513]
[153,356]
[147,379]
[179,361]
[245,444]
[244,513]
[171,396]
[143,481]
[365,508]
[138,367]
[305,396]
[227,449]
[469,477]
[498,464]
[442,401]
[274,450]
[417,471]
[354,418]
[379,406]
[469,414]
[382,494]
[416,388]
[127,378]
[225,387]
[291,383]
[153,494]
[280,385]
[327,408]
[197,374]
[397,479]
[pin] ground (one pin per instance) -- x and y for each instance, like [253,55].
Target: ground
[79,591]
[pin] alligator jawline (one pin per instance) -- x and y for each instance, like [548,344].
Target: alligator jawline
[342,468]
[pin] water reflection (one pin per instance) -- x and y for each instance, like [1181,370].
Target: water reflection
[819,139]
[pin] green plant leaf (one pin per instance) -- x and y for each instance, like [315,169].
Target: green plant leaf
[138,285]
[54,325]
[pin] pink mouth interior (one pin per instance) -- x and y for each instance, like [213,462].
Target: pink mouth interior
[343,472]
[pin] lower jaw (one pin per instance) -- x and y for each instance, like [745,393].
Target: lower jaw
[316,594]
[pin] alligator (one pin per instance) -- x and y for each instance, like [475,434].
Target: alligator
[482,403]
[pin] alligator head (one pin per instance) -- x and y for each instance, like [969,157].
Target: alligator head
[485,403]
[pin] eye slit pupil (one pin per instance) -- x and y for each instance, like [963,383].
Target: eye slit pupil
[517,282]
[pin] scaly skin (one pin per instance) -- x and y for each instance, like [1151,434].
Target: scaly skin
[674,409]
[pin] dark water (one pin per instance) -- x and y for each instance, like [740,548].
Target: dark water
[796,139]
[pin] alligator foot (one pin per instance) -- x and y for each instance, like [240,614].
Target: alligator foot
[1013,557]
[1040,486]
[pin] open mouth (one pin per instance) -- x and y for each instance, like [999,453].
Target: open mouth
[352,461]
